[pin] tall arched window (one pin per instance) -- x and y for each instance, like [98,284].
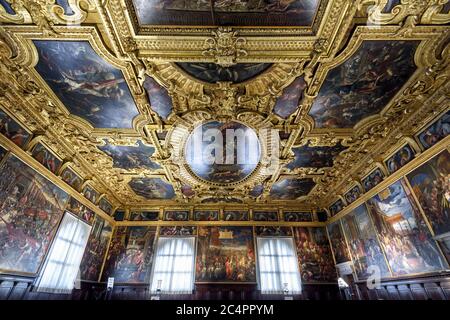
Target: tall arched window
[174,265]
[63,261]
[278,266]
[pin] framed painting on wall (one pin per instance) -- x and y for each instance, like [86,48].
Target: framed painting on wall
[314,255]
[338,244]
[225,254]
[46,158]
[71,178]
[130,255]
[430,185]
[363,244]
[435,132]
[403,232]
[400,158]
[95,251]
[13,131]
[31,208]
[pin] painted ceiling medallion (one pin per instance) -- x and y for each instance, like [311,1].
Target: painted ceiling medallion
[222,152]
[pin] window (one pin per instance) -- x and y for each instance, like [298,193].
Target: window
[278,266]
[174,265]
[63,261]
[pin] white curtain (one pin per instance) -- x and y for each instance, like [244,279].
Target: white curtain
[278,266]
[174,265]
[63,261]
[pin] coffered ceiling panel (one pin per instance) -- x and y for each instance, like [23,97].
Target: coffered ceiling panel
[324,94]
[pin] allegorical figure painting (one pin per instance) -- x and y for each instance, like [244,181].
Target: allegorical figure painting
[178,231]
[88,86]
[46,158]
[152,188]
[222,152]
[265,215]
[3,152]
[363,244]
[225,254]
[105,205]
[71,178]
[80,210]
[400,158]
[160,101]
[314,157]
[364,84]
[336,207]
[13,131]
[373,179]
[90,193]
[176,215]
[144,215]
[352,194]
[272,231]
[338,244]
[431,185]
[403,232]
[436,132]
[294,216]
[291,188]
[235,216]
[131,157]
[292,13]
[213,73]
[30,210]
[206,215]
[314,255]
[289,100]
[130,255]
[257,191]
[95,251]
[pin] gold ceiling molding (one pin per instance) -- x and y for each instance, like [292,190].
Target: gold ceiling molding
[138,52]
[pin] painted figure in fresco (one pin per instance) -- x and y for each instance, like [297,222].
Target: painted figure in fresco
[352,195]
[373,179]
[41,154]
[160,101]
[206,215]
[265,216]
[336,207]
[297,216]
[71,178]
[80,210]
[235,216]
[87,85]
[291,189]
[271,231]
[30,210]
[400,158]
[176,215]
[95,251]
[363,243]
[235,161]
[177,231]
[339,246]
[152,188]
[314,255]
[436,132]
[130,255]
[144,216]
[131,157]
[288,103]
[403,233]
[213,73]
[90,194]
[225,254]
[315,157]
[228,12]
[12,130]
[364,84]
[431,185]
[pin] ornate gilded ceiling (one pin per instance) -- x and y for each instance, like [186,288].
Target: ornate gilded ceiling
[327,90]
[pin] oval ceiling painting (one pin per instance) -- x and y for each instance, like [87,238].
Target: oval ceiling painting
[222,153]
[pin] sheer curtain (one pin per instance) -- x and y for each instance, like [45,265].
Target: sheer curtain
[174,265]
[63,261]
[278,265]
